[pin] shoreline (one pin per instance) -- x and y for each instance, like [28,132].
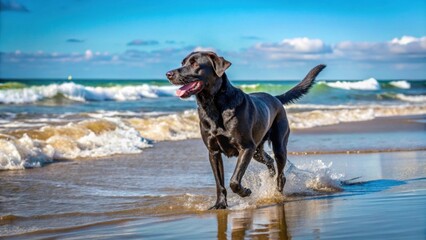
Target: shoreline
[382,134]
[378,124]
[170,186]
[410,124]
[386,181]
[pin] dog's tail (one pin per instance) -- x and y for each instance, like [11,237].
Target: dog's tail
[302,88]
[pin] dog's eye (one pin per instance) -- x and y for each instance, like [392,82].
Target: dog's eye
[194,64]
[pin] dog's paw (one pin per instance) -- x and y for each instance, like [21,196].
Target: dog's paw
[219,205]
[245,192]
[240,190]
[280,183]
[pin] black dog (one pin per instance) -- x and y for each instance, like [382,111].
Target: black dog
[235,123]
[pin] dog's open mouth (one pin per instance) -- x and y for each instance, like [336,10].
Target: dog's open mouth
[189,89]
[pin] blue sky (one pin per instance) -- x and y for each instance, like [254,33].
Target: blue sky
[263,39]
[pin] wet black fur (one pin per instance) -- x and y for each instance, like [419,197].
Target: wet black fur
[238,124]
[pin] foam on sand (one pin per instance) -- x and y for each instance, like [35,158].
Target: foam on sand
[180,126]
[128,133]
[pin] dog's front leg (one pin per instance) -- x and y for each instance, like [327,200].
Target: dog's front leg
[216,162]
[243,161]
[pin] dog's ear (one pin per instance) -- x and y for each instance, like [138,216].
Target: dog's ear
[220,64]
[186,58]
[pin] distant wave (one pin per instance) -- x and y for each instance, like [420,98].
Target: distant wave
[249,86]
[77,92]
[400,84]
[11,85]
[403,97]
[367,84]
[411,98]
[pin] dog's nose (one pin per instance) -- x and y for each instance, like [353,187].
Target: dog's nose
[170,74]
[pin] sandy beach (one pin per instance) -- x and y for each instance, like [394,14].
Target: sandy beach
[164,192]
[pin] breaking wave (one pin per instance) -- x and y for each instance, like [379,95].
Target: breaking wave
[411,98]
[400,84]
[403,97]
[21,149]
[367,84]
[332,116]
[77,92]
[11,85]
[184,125]
[177,126]
[105,135]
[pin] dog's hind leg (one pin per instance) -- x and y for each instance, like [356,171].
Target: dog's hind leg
[261,156]
[279,137]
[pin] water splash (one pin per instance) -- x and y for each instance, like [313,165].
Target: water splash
[308,179]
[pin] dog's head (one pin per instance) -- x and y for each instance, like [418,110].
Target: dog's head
[200,71]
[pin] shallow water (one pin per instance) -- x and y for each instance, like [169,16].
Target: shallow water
[140,197]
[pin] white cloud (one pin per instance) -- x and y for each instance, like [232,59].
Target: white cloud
[405,50]
[204,49]
[295,45]
[88,54]
[289,49]
[304,45]
[408,45]
[404,40]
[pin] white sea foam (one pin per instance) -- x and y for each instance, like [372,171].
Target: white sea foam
[248,86]
[77,92]
[105,135]
[311,178]
[103,113]
[18,124]
[177,126]
[185,125]
[320,106]
[23,153]
[89,138]
[407,98]
[400,84]
[367,84]
[361,113]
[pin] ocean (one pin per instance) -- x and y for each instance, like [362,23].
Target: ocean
[42,120]
[114,159]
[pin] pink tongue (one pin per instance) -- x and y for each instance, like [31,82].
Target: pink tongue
[183,90]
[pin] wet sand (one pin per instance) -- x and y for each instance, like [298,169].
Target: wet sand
[164,192]
[382,134]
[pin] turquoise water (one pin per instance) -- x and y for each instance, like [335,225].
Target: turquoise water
[146,96]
